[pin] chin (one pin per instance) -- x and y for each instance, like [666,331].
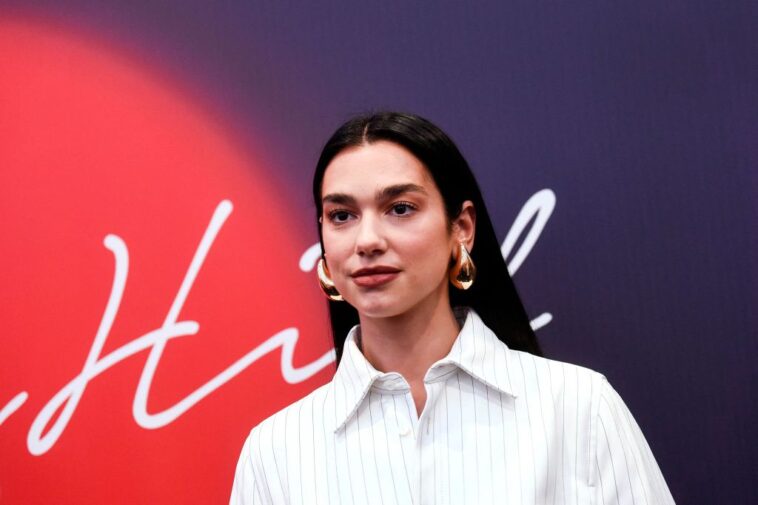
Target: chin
[377,306]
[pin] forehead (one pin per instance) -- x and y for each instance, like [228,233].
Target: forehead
[368,167]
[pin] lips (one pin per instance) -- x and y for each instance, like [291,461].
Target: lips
[374,276]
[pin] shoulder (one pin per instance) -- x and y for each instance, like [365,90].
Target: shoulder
[304,413]
[560,390]
[539,376]
[272,449]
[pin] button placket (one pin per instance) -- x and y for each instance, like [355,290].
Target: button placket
[411,421]
[425,446]
[396,384]
[404,430]
[424,422]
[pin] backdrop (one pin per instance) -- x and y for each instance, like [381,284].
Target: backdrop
[157,290]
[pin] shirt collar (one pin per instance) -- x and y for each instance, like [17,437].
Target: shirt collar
[477,351]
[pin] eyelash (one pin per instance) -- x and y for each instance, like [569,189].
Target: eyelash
[333,213]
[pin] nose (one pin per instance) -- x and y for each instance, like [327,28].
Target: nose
[370,238]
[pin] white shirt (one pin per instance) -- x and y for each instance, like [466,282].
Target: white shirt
[499,426]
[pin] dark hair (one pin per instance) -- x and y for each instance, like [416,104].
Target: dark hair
[493,296]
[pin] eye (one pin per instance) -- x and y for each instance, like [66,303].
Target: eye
[338,216]
[402,209]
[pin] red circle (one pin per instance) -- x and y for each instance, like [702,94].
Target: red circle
[93,144]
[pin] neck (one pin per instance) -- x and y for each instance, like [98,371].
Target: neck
[410,343]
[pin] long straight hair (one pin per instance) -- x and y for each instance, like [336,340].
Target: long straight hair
[493,296]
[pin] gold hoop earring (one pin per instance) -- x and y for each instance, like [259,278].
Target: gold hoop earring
[463,272]
[326,283]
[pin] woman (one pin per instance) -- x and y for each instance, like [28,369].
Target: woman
[440,394]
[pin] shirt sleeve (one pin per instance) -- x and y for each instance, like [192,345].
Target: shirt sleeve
[245,490]
[626,471]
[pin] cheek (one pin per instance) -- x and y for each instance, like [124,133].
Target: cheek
[429,254]
[337,250]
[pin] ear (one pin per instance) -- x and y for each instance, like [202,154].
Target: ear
[464,226]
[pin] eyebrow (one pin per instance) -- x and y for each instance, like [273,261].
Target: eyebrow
[381,195]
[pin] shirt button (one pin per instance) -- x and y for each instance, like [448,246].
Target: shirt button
[405,430]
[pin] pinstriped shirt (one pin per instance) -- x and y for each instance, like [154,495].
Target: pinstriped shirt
[499,426]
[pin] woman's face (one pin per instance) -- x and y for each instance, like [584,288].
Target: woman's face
[385,231]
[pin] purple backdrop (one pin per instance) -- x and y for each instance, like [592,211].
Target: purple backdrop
[641,118]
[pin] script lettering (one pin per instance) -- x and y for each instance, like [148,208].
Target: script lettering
[69,395]
[536,210]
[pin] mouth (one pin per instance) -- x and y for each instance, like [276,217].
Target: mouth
[373,277]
